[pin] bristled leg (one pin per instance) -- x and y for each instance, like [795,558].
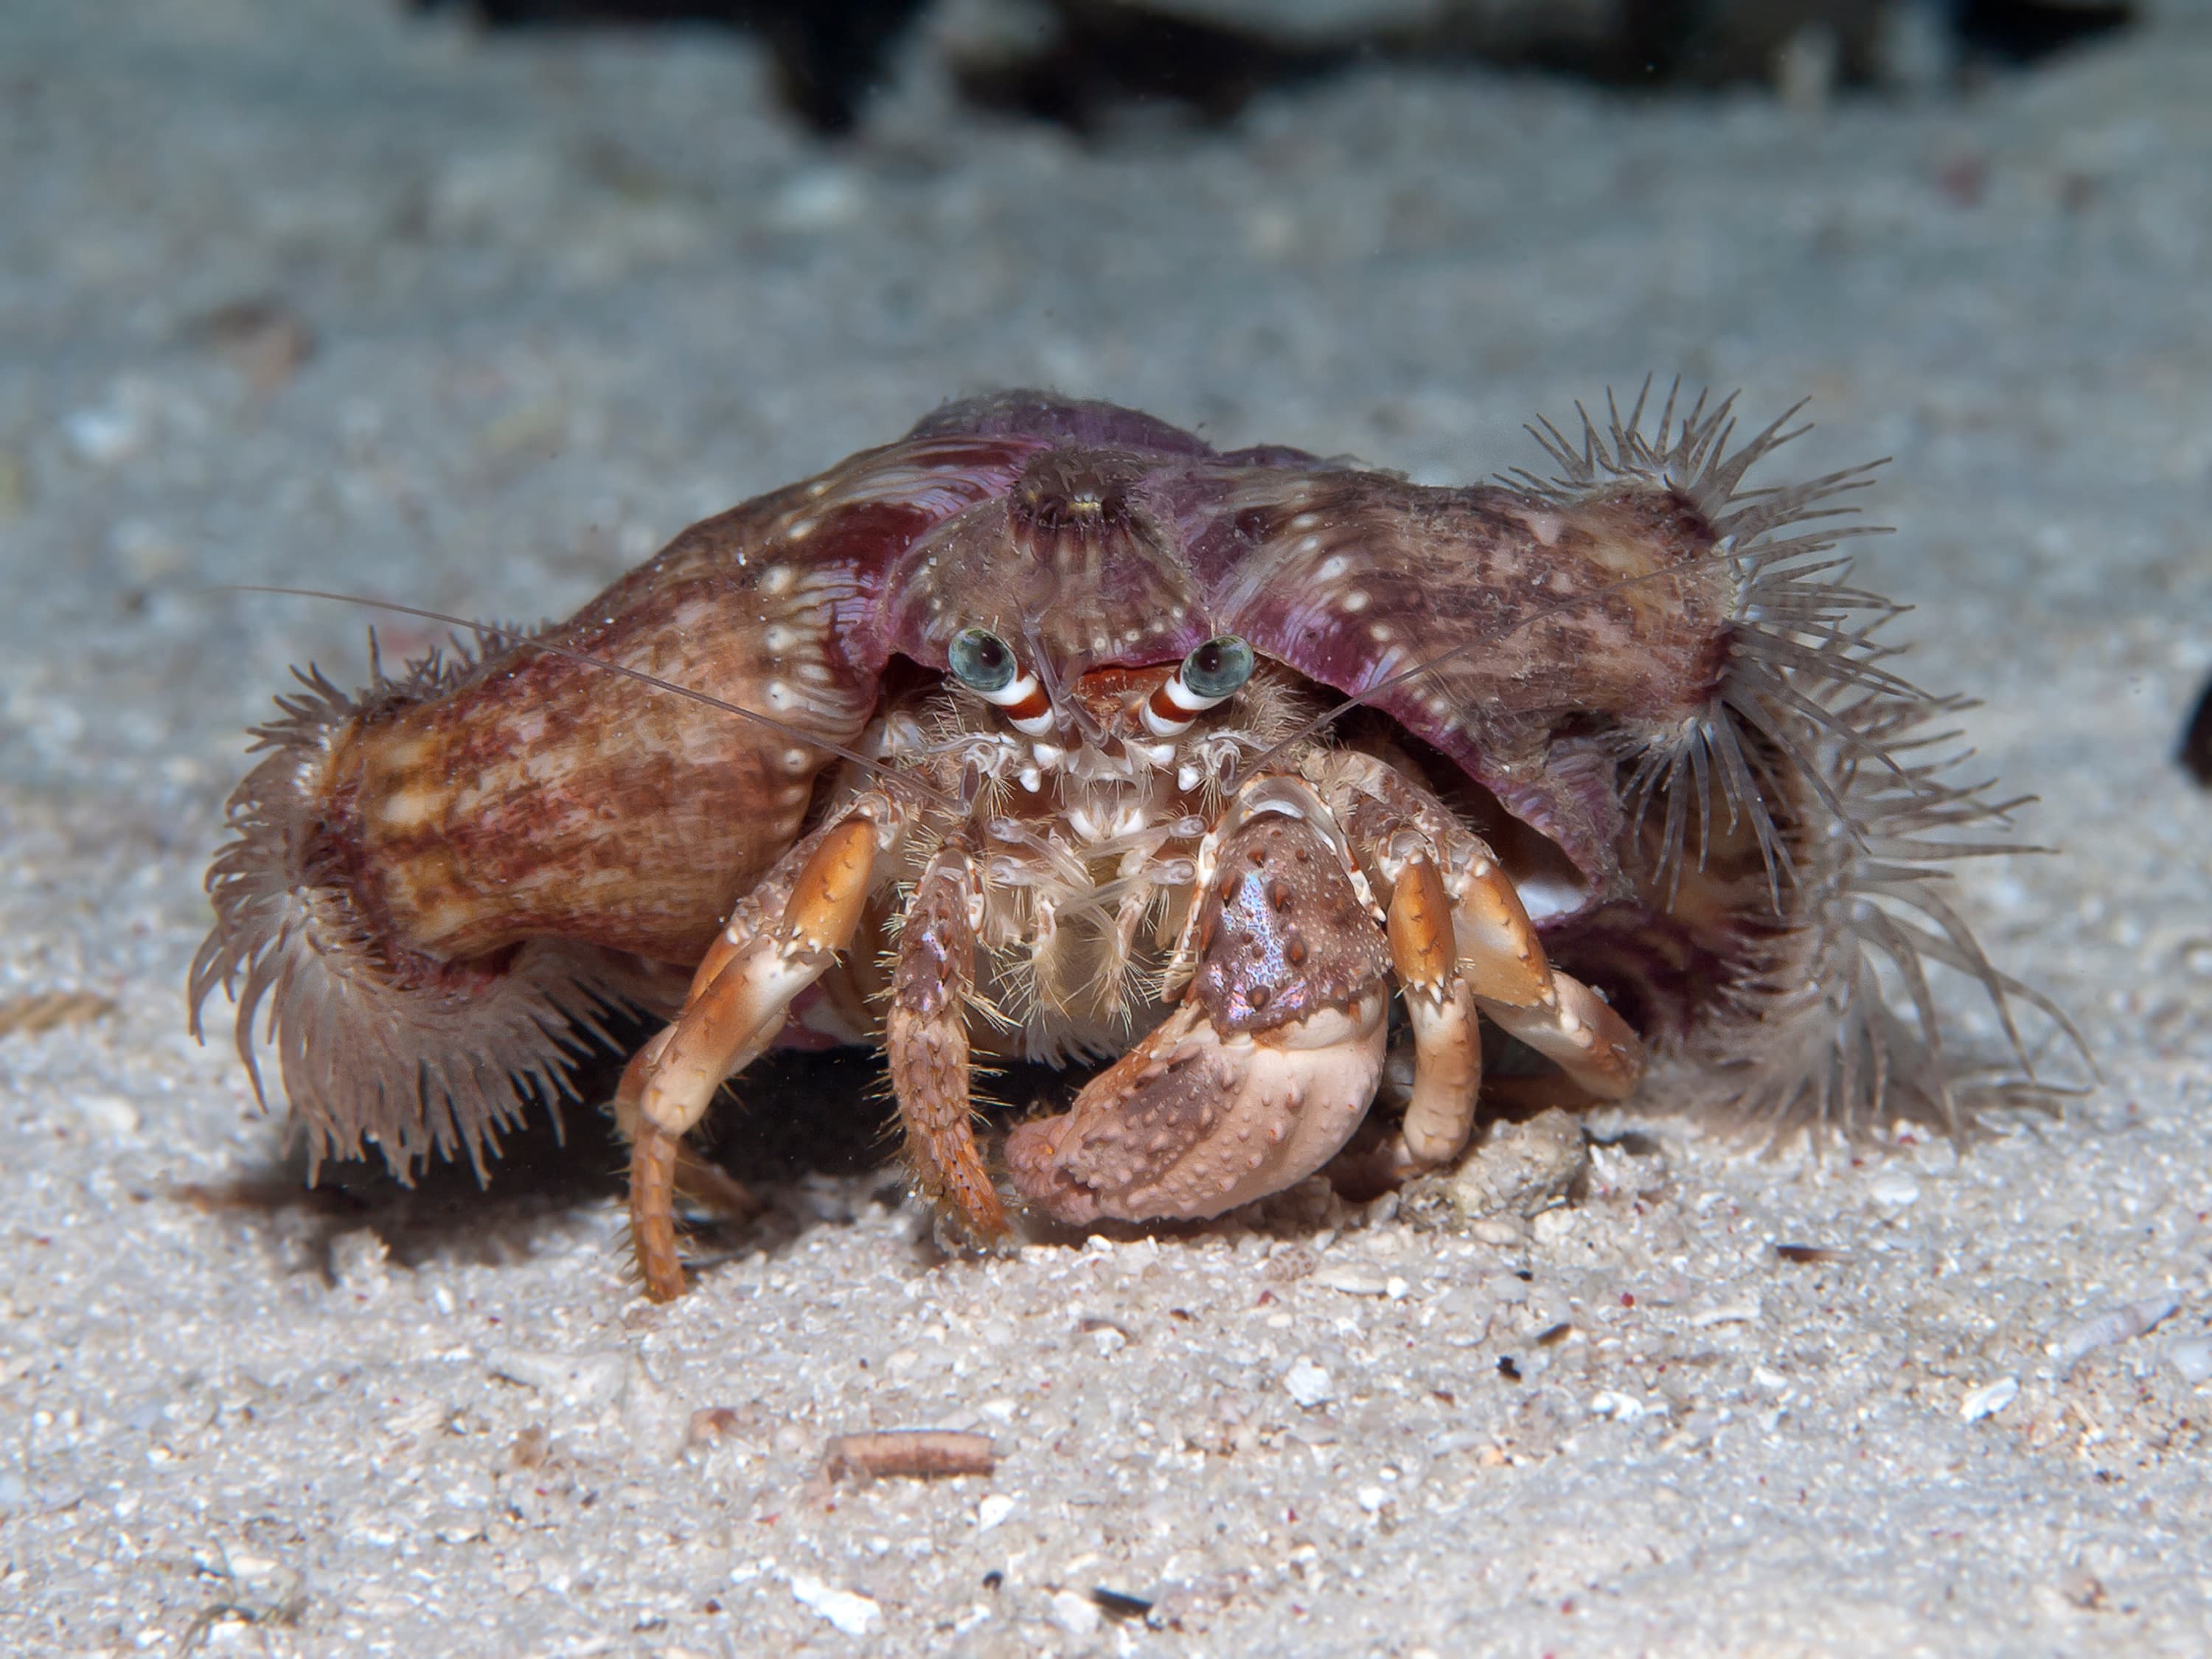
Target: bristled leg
[1449,895]
[925,1042]
[738,1003]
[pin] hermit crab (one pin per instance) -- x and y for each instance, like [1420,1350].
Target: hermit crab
[1048,732]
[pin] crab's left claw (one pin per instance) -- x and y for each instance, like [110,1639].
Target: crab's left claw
[1265,1070]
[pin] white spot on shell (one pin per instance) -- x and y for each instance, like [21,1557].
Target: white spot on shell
[408,809]
[794,760]
[800,529]
[1305,521]
[776,694]
[1331,567]
[1381,633]
[1355,601]
[777,637]
[777,579]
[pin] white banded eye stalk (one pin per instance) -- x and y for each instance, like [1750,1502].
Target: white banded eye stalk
[986,665]
[1205,679]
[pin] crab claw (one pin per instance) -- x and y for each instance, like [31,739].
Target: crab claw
[1262,1073]
[1195,1122]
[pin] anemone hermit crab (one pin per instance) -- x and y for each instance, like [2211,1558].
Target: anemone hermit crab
[1049,732]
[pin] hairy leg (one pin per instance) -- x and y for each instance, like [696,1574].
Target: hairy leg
[925,1040]
[736,1004]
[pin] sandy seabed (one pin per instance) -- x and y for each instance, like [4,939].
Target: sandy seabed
[563,300]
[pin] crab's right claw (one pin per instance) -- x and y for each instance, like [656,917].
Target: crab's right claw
[1194,1121]
[1265,1070]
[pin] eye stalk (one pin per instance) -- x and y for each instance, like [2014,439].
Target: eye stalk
[987,665]
[1207,678]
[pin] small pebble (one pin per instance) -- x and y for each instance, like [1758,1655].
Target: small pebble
[1308,1383]
[1075,1614]
[992,1510]
[2193,1360]
[851,1614]
[263,339]
[1732,1313]
[1352,1281]
[1894,1192]
[360,1263]
[1990,1399]
[107,1115]
[103,436]
[2083,1588]
[1552,1226]
[819,198]
[588,1379]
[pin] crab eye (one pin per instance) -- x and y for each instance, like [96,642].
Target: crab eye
[1210,675]
[1216,668]
[982,661]
[986,665]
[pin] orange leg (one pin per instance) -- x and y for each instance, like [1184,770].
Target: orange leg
[1461,940]
[735,1007]
[1447,1040]
[1555,1014]
[698,1178]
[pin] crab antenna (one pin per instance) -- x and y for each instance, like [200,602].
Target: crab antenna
[517,636]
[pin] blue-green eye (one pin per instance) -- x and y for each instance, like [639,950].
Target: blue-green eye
[981,660]
[1216,668]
